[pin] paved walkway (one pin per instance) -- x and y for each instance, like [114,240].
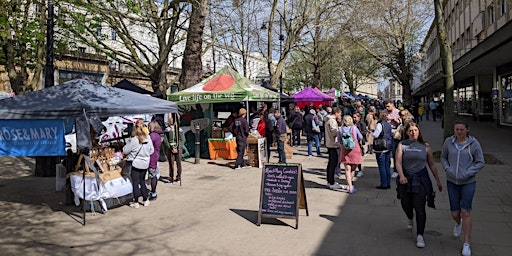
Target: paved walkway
[214,212]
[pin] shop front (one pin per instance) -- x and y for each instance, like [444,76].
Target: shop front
[503,98]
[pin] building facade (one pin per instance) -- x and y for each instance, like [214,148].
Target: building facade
[480,35]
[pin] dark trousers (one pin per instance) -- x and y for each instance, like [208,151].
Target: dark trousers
[331,164]
[174,157]
[270,140]
[414,201]
[240,151]
[322,134]
[296,137]
[138,182]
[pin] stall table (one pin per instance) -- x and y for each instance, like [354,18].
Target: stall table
[223,148]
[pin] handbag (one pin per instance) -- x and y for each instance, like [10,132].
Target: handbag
[162,157]
[315,128]
[380,144]
[127,166]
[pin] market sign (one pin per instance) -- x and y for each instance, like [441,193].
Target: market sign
[32,137]
[227,85]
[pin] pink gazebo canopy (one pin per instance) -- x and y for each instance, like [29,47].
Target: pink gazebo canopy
[312,96]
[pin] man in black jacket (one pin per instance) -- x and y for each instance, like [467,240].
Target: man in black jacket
[240,128]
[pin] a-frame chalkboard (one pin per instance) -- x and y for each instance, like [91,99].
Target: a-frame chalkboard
[282,192]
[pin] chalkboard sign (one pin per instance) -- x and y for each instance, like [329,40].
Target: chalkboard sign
[282,191]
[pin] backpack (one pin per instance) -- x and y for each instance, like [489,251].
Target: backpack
[347,142]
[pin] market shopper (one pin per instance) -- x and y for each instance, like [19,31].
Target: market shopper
[296,126]
[415,187]
[462,159]
[382,154]
[310,123]
[331,134]
[361,125]
[280,134]
[350,157]
[155,133]
[240,129]
[173,144]
[393,117]
[138,150]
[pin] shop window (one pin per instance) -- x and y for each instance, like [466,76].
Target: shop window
[506,93]
[490,14]
[503,7]
[114,34]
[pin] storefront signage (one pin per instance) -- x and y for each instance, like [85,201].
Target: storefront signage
[32,138]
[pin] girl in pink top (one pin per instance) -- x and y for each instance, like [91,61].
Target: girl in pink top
[350,158]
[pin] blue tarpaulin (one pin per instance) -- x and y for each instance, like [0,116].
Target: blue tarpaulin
[32,137]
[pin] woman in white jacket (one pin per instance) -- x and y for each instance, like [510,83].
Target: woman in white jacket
[138,150]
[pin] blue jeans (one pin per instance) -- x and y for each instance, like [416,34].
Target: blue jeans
[280,149]
[384,163]
[461,196]
[312,137]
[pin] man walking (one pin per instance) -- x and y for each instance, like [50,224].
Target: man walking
[433,108]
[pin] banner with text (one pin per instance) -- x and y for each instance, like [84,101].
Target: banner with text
[32,138]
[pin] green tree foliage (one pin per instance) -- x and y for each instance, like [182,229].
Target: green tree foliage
[22,38]
[391,31]
[136,24]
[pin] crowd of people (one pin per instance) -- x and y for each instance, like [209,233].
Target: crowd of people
[393,134]
[148,145]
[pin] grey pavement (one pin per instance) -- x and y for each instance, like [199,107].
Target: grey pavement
[214,212]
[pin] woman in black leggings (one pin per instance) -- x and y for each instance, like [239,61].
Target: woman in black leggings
[414,186]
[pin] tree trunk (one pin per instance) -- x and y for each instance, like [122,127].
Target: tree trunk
[446,62]
[192,67]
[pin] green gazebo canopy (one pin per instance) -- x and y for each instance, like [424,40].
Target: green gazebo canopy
[227,85]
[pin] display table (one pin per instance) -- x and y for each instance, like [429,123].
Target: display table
[223,148]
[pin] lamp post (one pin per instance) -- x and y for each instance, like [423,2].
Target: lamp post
[281,39]
[48,69]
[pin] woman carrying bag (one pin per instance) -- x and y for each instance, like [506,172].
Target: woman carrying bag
[138,150]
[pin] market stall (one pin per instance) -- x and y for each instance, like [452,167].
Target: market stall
[310,95]
[196,102]
[84,102]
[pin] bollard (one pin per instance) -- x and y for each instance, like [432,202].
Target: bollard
[198,143]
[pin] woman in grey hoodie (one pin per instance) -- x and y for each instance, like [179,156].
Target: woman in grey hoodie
[462,159]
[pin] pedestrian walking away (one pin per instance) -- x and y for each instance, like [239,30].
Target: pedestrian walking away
[350,154]
[382,154]
[414,186]
[156,134]
[462,159]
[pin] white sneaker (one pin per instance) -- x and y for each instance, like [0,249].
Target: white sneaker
[134,205]
[420,243]
[457,229]
[336,185]
[359,174]
[394,175]
[146,203]
[410,223]
[466,250]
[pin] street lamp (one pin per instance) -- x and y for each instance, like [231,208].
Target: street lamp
[48,70]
